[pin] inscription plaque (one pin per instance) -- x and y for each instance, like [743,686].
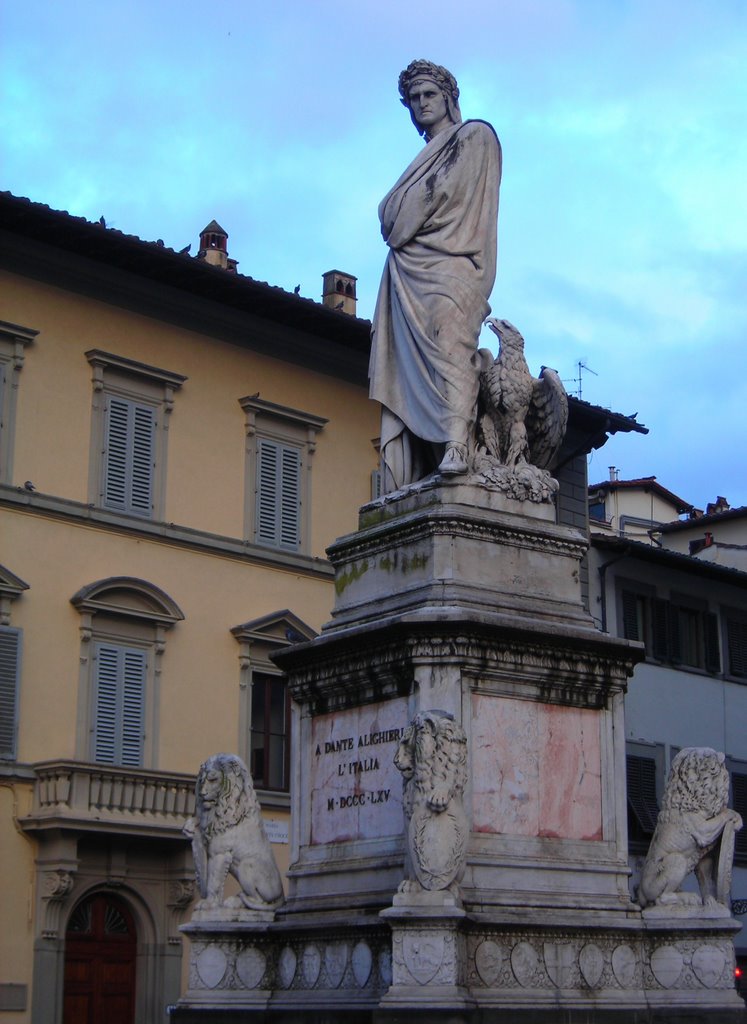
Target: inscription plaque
[356,791]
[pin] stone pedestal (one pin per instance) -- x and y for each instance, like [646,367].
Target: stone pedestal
[451,597]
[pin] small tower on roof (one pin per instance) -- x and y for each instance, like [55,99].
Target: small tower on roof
[214,247]
[338,291]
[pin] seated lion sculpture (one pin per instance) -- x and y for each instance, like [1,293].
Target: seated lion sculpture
[432,757]
[228,836]
[693,816]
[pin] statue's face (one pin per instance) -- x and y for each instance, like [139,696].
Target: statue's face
[210,786]
[428,105]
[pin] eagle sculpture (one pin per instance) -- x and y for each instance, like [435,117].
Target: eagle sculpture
[522,419]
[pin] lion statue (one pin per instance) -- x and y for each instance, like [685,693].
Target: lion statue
[228,836]
[432,756]
[693,816]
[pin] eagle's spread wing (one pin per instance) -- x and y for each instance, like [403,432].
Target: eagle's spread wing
[547,418]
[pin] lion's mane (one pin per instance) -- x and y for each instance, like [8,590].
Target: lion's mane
[236,798]
[698,781]
[433,757]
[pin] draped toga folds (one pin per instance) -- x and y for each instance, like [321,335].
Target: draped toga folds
[439,221]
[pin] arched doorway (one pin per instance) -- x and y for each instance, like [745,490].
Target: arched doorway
[100,950]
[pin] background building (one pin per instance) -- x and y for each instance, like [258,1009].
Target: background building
[679,587]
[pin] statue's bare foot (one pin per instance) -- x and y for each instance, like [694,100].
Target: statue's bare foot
[454,461]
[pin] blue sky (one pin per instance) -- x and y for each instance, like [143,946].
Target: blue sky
[623,222]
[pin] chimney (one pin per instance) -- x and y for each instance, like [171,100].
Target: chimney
[614,473]
[338,291]
[214,247]
[719,505]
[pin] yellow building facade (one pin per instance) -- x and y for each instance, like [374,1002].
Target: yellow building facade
[178,446]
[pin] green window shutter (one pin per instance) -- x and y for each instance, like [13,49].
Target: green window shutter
[129,456]
[736,641]
[641,778]
[119,701]
[739,803]
[290,497]
[10,672]
[267,492]
[711,644]
[630,615]
[278,508]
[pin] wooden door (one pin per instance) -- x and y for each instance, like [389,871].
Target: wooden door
[100,950]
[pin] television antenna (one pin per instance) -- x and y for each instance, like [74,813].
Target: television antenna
[578,381]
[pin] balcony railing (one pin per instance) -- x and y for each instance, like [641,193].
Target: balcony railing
[69,794]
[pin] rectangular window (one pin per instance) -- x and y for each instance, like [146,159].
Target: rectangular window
[10,670]
[673,631]
[119,701]
[280,444]
[278,515]
[129,456]
[270,734]
[597,511]
[132,406]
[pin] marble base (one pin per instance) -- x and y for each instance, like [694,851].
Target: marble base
[453,548]
[450,597]
[583,972]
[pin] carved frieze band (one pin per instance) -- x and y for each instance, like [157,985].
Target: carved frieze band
[358,964]
[574,676]
[604,963]
[427,955]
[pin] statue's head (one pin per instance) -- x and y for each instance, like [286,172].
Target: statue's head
[431,94]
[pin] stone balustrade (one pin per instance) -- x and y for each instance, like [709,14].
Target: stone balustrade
[71,794]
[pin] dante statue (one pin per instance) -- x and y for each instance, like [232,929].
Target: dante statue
[440,223]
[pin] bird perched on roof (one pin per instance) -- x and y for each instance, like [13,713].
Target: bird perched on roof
[185,250]
[297,290]
[523,418]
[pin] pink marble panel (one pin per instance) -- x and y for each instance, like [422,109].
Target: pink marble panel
[570,794]
[355,788]
[505,766]
[536,769]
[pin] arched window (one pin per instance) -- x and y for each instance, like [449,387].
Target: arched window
[123,631]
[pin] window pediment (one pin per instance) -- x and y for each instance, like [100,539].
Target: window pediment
[278,629]
[130,598]
[11,587]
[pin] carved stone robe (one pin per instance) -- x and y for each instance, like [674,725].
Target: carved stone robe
[439,221]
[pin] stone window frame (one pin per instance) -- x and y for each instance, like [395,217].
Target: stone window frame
[11,655]
[290,428]
[122,611]
[13,341]
[138,385]
[257,640]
